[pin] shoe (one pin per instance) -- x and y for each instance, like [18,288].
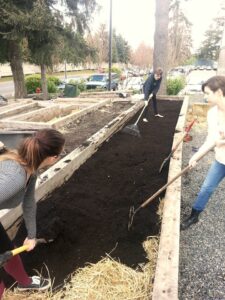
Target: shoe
[159,116]
[37,284]
[145,120]
[192,219]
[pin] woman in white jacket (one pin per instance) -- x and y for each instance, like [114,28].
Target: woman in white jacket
[214,90]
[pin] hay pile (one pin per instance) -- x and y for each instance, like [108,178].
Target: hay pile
[105,280]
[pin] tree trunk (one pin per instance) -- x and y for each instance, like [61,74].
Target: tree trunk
[221,60]
[161,40]
[44,85]
[16,64]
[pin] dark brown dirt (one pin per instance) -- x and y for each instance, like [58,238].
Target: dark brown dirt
[77,132]
[88,215]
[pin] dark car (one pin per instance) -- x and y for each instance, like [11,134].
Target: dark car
[101,81]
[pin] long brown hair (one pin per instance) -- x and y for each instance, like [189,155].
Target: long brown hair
[35,149]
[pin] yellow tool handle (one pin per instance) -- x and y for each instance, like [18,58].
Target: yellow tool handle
[19,250]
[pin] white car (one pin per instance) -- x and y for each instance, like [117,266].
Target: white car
[192,87]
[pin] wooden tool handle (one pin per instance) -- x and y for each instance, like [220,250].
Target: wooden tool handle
[181,139]
[189,126]
[19,250]
[175,178]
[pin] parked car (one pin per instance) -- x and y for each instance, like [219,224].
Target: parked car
[101,81]
[133,83]
[192,87]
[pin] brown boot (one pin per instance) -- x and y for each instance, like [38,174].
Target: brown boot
[192,219]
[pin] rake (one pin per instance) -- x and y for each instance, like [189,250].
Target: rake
[133,211]
[133,129]
[166,160]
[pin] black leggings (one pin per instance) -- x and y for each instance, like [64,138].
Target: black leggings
[154,100]
[5,242]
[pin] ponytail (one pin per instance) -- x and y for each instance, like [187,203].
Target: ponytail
[35,149]
[44,143]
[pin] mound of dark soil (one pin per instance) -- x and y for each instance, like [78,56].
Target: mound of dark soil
[88,215]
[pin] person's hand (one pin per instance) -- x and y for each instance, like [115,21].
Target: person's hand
[31,243]
[146,102]
[192,162]
[220,142]
[150,96]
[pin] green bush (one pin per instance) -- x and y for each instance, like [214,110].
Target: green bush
[81,84]
[51,87]
[174,85]
[34,81]
[115,70]
[54,79]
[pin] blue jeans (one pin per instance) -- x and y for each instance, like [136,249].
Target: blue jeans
[215,174]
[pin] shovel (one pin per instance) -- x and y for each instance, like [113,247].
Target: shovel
[133,128]
[133,211]
[4,257]
[166,160]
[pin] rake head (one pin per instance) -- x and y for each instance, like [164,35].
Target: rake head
[132,130]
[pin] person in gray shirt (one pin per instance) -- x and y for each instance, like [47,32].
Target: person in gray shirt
[18,174]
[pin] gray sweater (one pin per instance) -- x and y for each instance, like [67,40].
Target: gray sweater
[15,190]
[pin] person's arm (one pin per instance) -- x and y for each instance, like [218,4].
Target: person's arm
[210,139]
[12,181]
[29,208]
[147,87]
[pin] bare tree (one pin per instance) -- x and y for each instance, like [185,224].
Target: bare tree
[142,56]
[180,42]
[161,39]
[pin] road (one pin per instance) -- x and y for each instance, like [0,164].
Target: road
[7,88]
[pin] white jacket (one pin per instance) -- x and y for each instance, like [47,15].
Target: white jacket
[216,124]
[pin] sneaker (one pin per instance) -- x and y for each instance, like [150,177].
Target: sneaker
[37,284]
[159,116]
[145,120]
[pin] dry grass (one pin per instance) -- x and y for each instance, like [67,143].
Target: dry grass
[106,280]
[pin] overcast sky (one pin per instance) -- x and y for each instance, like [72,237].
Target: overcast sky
[135,19]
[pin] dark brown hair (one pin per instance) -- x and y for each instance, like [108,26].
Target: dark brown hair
[215,83]
[158,71]
[35,149]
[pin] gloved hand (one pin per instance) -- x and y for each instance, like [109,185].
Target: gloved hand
[146,102]
[150,96]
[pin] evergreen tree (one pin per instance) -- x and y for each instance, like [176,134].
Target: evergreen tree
[42,24]
[210,47]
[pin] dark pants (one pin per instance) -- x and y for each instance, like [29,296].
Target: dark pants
[147,109]
[5,242]
[14,266]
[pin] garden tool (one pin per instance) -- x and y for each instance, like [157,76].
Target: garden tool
[166,160]
[133,128]
[4,257]
[133,211]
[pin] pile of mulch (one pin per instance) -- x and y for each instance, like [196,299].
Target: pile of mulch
[88,215]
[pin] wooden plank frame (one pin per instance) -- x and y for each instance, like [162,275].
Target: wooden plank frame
[167,268]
